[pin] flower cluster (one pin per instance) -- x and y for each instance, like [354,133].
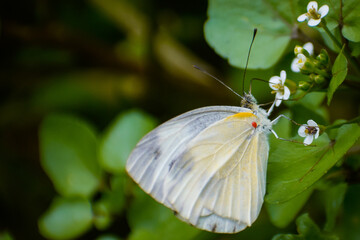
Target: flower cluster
[300,56]
[316,67]
[313,16]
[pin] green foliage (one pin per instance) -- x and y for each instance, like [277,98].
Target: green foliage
[97,59]
[150,220]
[351,20]
[333,198]
[121,138]
[68,155]
[349,228]
[339,72]
[66,219]
[286,181]
[307,230]
[5,236]
[284,213]
[230,26]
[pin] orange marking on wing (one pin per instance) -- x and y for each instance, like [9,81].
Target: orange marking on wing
[242,115]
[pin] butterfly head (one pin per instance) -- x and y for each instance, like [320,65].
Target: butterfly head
[248,101]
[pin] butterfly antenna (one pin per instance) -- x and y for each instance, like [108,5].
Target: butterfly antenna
[247,61]
[217,79]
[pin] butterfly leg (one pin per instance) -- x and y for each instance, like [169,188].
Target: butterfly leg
[282,115]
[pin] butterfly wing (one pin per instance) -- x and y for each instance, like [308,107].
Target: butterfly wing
[205,165]
[219,183]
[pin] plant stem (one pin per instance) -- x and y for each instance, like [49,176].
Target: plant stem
[338,44]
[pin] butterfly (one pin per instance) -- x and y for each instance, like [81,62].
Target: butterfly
[208,165]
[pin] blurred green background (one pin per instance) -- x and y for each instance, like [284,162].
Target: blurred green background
[89,78]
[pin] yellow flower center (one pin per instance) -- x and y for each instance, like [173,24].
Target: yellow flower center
[313,14]
[279,87]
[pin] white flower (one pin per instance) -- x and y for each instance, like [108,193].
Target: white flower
[298,62]
[309,131]
[313,15]
[309,47]
[278,85]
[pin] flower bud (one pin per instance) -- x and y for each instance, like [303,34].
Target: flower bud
[312,77]
[304,85]
[319,80]
[323,58]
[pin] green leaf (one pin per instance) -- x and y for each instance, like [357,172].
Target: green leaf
[68,155]
[333,200]
[307,229]
[293,168]
[283,213]
[115,197]
[102,217]
[121,137]
[66,218]
[349,227]
[339,72]
[147,217]
[108,237]
[351,20]
[229,30]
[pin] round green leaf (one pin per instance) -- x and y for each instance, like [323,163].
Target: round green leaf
[66,219]
[147,217]
[121,138]
[229,30]
[351,20]
[68,155]
[293,168]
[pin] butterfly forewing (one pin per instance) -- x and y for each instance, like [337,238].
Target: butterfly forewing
[208,165]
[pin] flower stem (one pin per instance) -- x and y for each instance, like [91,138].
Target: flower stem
[338,44]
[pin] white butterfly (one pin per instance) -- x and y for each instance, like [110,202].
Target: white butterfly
[208,165]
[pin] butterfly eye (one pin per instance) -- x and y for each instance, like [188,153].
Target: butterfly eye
[254,124]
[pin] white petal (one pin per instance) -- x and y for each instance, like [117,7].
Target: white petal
[317,132]
[301,131]
[294,66]
[273,81]
[286,93]
[301,59]
[282,77]
[308,139]
[309,47]
[302,17]
[312,123]
[312,4]
[278,102]
[323,11]
[279,95]
[314,22]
